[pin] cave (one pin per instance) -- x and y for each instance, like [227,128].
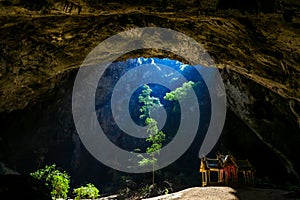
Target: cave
[47,129]
[256,55]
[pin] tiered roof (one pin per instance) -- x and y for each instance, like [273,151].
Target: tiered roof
[223,160]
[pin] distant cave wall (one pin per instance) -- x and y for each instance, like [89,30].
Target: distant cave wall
[271,117]
[44,134]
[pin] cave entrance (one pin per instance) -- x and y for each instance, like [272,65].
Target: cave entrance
[125,80]
[56,140]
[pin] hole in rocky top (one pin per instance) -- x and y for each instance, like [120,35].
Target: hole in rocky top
[160,74]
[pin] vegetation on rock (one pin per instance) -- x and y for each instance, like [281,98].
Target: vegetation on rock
[58,181]
[86,192]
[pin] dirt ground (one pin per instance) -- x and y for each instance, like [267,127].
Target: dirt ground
[226,193]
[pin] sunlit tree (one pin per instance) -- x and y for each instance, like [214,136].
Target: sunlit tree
[155,137]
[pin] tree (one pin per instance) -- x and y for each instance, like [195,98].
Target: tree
[155,137]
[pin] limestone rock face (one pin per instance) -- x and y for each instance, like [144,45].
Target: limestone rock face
[257,54]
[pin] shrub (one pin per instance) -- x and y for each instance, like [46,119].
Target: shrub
[146,190]
[55,180]
[87,192]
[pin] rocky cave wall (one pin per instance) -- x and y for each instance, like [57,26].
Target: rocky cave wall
[258,56]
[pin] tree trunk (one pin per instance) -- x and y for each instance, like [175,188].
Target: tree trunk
[153,173]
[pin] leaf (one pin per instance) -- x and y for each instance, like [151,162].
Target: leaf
[180,92]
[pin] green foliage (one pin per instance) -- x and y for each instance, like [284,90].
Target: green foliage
[86,192]
[155,137]
[156,140]
[57,181]
[166,191]
[147,101]
[180,93]
[147,190]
